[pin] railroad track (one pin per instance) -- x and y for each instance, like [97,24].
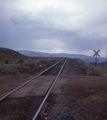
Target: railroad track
[2,98]
[48,92]
[33,83]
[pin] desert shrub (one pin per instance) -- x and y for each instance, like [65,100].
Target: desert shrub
[26,68]
[26,64]
[5,68]
[37,62]
[31,62]
[21,61]
[14,71]
[6,62]
[8,68]
[94,71]
[87,68]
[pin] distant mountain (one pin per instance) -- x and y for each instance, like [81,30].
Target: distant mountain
[83,57]
[41,54]
[9,52]
[35,54]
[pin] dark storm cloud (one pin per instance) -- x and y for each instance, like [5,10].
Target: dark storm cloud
[85,43]
[54,26]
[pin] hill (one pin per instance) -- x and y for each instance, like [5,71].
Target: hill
[5,52]
[41,54]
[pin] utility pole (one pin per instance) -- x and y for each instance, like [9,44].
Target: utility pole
[95,55]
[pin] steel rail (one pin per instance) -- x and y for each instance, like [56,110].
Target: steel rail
[2,98]
[48,92]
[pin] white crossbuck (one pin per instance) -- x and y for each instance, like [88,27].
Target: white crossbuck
[96,53]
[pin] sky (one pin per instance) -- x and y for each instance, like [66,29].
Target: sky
[54,26]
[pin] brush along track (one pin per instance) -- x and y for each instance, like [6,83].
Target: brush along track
[24,101]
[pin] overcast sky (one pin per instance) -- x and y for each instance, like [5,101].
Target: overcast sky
[54,26]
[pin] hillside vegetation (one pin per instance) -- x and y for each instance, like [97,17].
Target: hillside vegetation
[88,68]
[4,52]
[13,62]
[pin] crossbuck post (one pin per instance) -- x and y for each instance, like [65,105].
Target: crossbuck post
[95,55]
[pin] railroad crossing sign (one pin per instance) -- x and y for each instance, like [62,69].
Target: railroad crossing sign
[95,55]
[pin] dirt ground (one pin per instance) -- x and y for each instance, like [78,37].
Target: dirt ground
[74,97]
[80,98]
